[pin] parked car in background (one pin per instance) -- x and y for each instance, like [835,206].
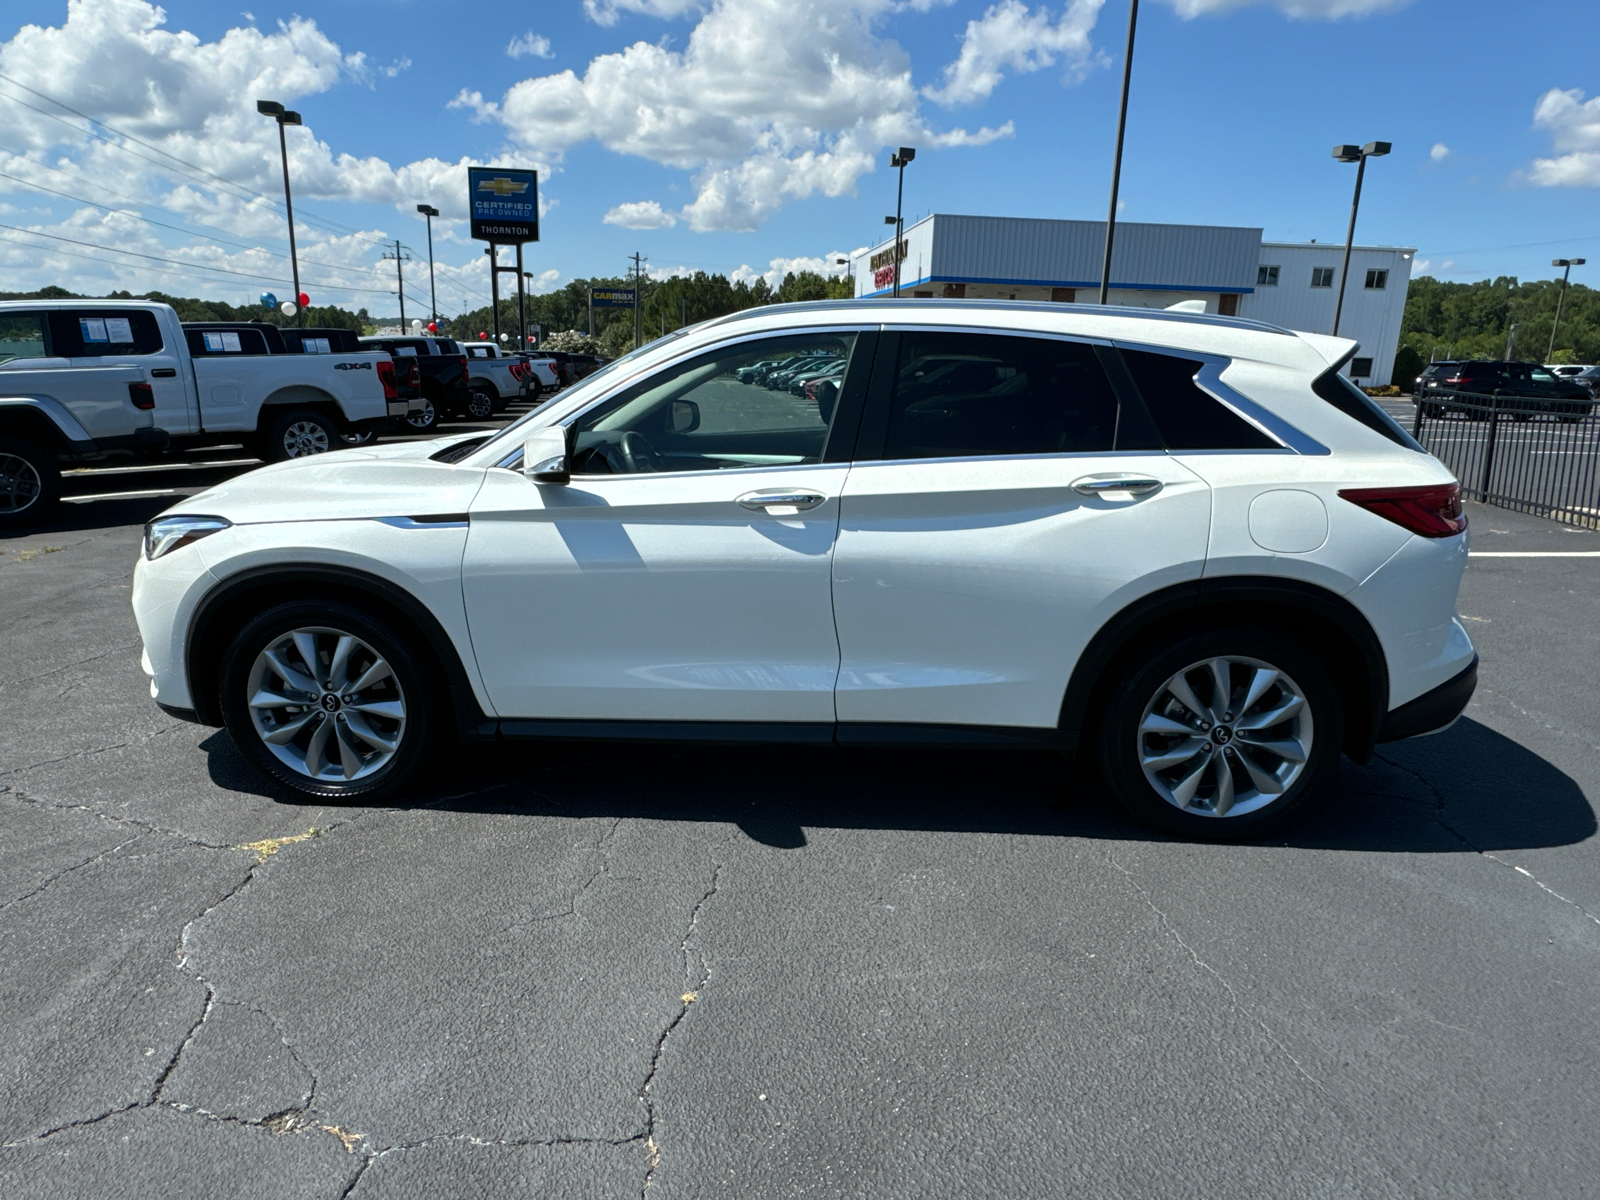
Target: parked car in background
[1432,374]
[1479,387]
[1181,549]
[1568,370]
[502,377]
[81,380]
[445,390]
[1590,378]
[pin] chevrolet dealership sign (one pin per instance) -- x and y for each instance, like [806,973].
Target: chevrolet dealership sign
[504,204]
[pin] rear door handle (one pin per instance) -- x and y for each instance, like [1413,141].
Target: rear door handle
[164,373]
[1134,485]
[761,501]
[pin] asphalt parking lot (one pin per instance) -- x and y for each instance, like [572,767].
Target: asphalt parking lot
[580,971]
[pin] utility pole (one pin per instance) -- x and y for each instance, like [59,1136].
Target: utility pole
[1116,161]
[1566,264]
[400,276]
[638,313]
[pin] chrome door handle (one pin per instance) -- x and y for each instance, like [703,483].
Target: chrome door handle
[759,501]
[1134,485]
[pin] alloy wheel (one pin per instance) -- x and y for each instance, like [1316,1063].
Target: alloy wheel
[1225,736]
[326,704]
[424,419]
[304,438]
[20,485]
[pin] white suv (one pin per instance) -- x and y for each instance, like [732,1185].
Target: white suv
[1181,548]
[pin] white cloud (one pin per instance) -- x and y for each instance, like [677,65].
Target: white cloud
[529,43]
[1440,152]
[1306,10]
[607,12]
[769,101]
[1574,127]
[777,268]
[1420,266]
[1009,35]
[640,214]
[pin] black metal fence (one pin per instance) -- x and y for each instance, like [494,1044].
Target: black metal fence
[1517,455]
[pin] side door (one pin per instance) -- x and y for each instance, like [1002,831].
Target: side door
[226,371]
[1008,496]
[132,337]
[683,573]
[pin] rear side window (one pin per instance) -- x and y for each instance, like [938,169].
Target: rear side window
[1356,404]
[1186,416]
[84,333]
[21,336]
[969,394]
[215,343]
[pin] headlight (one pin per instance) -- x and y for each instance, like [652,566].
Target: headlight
[166,534]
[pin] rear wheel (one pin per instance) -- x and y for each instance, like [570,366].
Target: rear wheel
[480,404]
[424,421]
[1221,735]
[300,433]
[329,701]
[30,483]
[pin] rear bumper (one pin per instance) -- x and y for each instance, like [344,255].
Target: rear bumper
[1433,710]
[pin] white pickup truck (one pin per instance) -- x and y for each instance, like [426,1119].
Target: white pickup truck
[506,377]
[82,380]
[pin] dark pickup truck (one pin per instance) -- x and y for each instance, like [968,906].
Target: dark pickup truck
[446,385]
[1479,388]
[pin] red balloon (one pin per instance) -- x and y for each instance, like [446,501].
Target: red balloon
[481,336]
[305,300]
[433,327]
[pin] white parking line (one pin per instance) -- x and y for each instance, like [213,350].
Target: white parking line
[1533,553]
[126,495]
[204,465]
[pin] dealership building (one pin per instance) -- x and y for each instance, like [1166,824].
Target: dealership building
[1228,268]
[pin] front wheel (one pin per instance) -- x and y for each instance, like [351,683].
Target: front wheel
[480,404]
[1221,735]
[30,483]
[331,702]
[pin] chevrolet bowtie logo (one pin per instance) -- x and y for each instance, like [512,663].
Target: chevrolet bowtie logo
[501,186]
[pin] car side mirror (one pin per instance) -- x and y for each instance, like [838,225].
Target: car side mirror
[683,416]
[544,456]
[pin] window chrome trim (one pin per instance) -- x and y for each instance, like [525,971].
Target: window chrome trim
[1209,380]
[513,460]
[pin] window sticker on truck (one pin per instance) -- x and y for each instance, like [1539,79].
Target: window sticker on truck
[119,329]
[94,329]
[223,343]
[315,346]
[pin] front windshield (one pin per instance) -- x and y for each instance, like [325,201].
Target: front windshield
[579,393]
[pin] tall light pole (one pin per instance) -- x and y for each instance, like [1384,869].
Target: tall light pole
[284,116]
[1566,265]
[1511,340]
[430,212]
[894,253]
[1359,156]
[900,160]
[1116,162]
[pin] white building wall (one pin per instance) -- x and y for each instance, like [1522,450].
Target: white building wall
[1371,316]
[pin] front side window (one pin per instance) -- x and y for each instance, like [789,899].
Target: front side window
[970,394]
[1266,276]
[1322,277]
[21,336]
[713,412]
[1377,280]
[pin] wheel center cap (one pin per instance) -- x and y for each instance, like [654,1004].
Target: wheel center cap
[1222,735]
[331,702]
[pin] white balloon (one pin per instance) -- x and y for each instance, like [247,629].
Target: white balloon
[287,308]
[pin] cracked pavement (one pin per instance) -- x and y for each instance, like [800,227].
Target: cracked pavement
[690,972]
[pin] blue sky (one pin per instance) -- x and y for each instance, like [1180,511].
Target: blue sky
[749,136]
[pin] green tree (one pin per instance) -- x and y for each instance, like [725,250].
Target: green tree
[1474,320]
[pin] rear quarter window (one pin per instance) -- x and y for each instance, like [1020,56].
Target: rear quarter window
[1357,405]
[1186,416]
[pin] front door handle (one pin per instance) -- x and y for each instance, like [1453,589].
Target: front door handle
[164,373]
[1134,485]
[762,501]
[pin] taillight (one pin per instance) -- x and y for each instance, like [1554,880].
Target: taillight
[1456,379]
[1432,511]
[391,390]
[466,378]
[415,378]
[142,395]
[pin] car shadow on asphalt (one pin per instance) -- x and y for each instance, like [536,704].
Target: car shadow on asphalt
[96,514]
[1467,789]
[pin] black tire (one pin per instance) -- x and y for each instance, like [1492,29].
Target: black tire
[1144,683]
[30,483]
[480,404]
[299,433]
[411,682]
[424,422]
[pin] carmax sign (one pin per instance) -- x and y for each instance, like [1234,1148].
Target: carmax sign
[504,203]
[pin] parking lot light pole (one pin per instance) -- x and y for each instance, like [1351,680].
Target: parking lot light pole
[284,116]
[1511,340]
[430,212]
[1359,156]
[1566,265]
[1116,161]
[899,160]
